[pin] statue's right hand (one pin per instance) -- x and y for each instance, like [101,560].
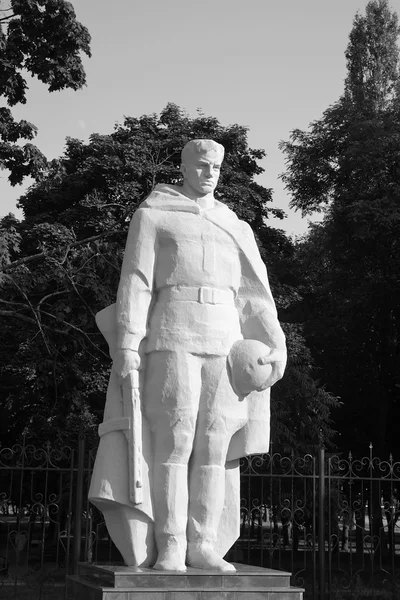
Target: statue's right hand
[125,361]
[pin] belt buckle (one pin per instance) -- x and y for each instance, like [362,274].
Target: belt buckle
[206,295]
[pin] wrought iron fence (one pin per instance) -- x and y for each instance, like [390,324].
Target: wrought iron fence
[46,522]
[331,521]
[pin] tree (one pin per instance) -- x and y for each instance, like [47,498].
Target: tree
[347,166]
[320,161]
[61,265]
[43,38]
[372,80]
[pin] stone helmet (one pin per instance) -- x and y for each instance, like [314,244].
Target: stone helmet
[246,374]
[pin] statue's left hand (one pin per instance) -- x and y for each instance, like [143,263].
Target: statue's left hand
[277,359]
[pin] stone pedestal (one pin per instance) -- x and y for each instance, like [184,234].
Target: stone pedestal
[112,582]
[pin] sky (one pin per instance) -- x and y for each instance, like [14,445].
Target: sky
[272,66]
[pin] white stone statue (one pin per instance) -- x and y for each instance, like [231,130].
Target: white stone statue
[196,345]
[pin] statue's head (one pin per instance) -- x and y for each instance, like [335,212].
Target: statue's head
[200,167]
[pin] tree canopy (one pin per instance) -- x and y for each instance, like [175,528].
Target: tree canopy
[61,265]
[42,38]
[347,167]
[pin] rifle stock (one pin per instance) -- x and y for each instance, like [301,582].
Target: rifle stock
[132,409]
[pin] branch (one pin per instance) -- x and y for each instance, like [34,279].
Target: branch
[74,285]
[103,258]
[87,261]
[50,296]
[35,314]
[9,16]
[20,304]
[89,353]
[78,294]
[11,313]
[34,257]
[79,330]
[108,263]
[111,204]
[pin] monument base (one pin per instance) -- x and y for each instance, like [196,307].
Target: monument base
[113,582]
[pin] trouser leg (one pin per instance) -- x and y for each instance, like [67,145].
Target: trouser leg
[207,495]
[218,419]
[170,511]
[171,402]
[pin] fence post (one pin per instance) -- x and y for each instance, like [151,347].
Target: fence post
[321,521]
[78,505]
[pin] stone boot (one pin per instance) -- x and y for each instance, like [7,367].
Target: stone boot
[207,495]
[170,506]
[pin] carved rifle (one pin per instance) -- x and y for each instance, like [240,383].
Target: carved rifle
[132,410]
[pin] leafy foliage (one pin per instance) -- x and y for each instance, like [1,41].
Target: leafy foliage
[372,81]
[347,166]
[62,263]
[117,171]
[42,38]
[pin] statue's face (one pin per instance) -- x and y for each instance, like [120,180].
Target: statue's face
[201,172]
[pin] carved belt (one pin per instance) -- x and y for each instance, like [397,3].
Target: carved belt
[203,295]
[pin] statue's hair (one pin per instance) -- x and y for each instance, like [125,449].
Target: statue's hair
[201,147]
